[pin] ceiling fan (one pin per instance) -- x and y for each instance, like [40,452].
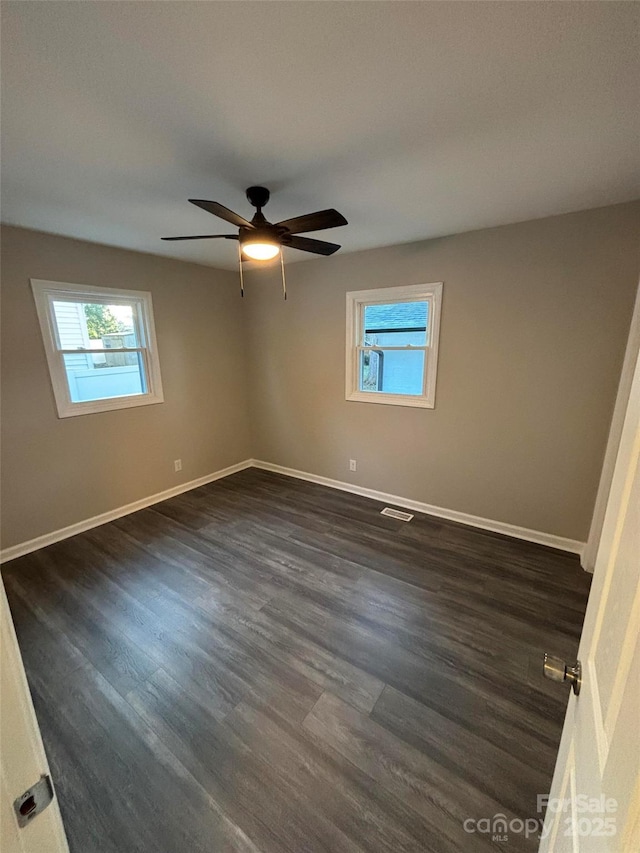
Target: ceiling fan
[262,240]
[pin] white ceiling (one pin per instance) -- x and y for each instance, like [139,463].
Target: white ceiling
[413,119]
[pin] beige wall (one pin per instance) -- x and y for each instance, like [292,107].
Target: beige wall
[57,472]
[534,324]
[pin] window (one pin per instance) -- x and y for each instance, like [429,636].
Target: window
[100,345]
[392,345]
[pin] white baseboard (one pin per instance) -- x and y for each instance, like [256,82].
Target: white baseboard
[550,539]
[65,532]
[587,559]
[572,545]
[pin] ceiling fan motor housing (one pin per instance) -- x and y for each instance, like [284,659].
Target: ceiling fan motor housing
[258,196]
[262,233]
[263,230]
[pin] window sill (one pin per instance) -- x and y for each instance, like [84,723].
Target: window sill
[90,407]
[390,399]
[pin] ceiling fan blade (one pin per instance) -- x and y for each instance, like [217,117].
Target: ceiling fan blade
[204,237]
[305,244]
[314,221]
[222,211]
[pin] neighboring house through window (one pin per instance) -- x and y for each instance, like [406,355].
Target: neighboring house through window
[392,345]
[100,346]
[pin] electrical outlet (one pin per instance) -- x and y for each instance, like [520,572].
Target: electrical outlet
[353,465]
[177,464]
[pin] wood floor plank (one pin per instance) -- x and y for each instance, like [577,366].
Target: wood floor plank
[301,655]
[506,779]
[181,547]
[425,784]
[153,801]
[465,699]
[265,665]
[157,566]
[122,662]
[251,791]
[43,649]
[348,797]
[182,637]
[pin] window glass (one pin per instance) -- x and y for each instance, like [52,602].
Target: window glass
[392,344]
[104,325]
[100,346]
[92,377]
[396,324]
[100,327]
[392,371]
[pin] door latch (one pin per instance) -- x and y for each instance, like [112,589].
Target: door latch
[34,800]
[556,669]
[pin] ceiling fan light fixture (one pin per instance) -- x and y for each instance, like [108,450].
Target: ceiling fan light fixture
[260,249]
[261,240]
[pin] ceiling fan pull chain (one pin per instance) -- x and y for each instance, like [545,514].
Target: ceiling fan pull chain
[240,265]
[284,281]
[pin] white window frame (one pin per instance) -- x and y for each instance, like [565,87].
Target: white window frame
[356,302]
[45,293]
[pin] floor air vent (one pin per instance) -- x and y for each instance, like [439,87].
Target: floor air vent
[396,513]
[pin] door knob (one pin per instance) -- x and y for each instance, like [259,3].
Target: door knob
[555,669]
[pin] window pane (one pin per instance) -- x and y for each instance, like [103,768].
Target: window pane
[93,377]
[95,325]
[371,371]
[396,324]
[392,371]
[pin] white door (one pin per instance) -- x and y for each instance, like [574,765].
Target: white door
[22,758]
[594,805]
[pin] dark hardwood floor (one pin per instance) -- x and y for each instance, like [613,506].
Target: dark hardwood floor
[269,666]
